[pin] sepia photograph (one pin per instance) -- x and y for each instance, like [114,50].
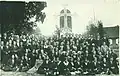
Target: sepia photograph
[59,37]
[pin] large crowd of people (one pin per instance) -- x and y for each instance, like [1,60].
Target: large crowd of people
[60,55]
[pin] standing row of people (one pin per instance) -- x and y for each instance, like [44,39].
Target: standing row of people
[60,55]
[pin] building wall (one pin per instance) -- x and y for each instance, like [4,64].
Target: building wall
[114,45]
[114,41]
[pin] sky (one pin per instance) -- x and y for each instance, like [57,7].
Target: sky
[83,11]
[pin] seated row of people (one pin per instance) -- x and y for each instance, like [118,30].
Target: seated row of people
[60,55]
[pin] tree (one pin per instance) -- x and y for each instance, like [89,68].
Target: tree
[16,16]
[94,30]
[58,31]
[100,29]
[91,30]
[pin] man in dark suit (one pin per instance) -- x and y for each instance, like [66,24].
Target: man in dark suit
[44,68]
[113,65]
[63,56]
[61,68]
[5,54]
[105,65]
[55,66]
[85,66]
[94,65]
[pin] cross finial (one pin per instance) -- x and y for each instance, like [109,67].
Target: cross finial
[94,17]
[65,5]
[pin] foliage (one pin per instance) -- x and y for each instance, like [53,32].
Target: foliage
[16,16]
[58,31]
[100,29]
[94,30]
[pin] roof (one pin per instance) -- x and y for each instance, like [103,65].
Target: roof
[62,11]
[112,32]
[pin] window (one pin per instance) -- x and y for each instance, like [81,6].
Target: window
[110,40]
[117,41]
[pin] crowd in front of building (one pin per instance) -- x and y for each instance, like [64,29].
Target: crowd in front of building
[60,55]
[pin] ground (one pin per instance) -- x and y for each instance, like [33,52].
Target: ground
[18,74]
[28,74]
